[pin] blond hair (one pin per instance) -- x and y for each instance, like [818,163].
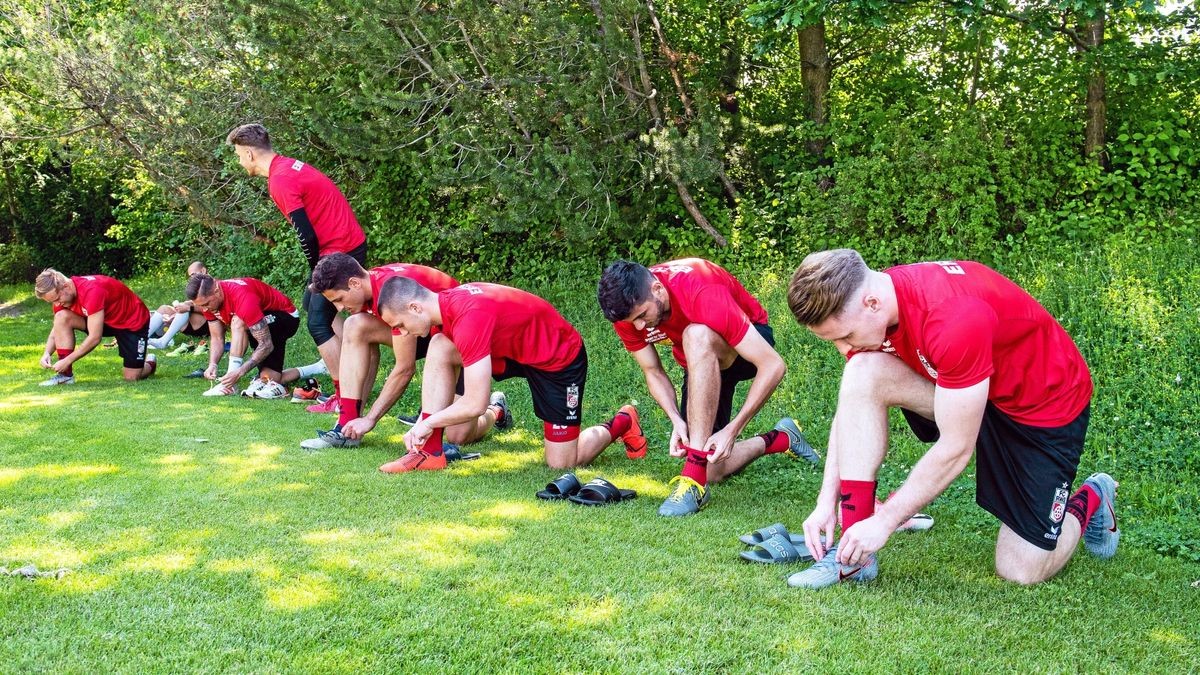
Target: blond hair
[49,280]
[824,283]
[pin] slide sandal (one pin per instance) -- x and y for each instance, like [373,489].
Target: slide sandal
[562,487]
[764,533]
[600,492]
[778,550]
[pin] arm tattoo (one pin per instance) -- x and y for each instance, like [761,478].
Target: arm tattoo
[262,336]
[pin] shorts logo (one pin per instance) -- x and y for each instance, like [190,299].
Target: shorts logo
[573,396]
[1059,508]
[928,367]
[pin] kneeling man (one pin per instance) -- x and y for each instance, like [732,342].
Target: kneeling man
[978,367]
[101,307]
[489,330]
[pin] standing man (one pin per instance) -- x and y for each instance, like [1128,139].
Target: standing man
[493,331]
[719,334]
[269,317]
[324,222]
[349,287]
[977,366]
[101,307]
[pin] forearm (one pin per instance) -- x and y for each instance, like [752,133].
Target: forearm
[929,478]
[84,348]
[462,410]
[260,354]
[49,346]
[663,393]
[393,388]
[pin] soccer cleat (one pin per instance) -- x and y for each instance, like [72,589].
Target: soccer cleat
[918,523]
[251,390]
[201,349]
[271,390]
[309,392]
[634,439]
[1101,535]
[219,389]
[415,461]
[57,380]
[504,420]
[407,420]
[153,363]
[195,374]
[798,445]
[828,571]
[329,439]
[330,405]
[686,498]
[181,349]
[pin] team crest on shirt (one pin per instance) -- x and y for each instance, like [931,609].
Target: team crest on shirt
[928,367]
[654,336]
[1059,508]
[297,165]
[573,396]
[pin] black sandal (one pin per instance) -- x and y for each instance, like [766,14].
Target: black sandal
[562,487]
[600,492]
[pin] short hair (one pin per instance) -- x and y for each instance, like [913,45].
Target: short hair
[623,286]
[398,292]
[334,272]
[199,284]
[196,265]
[49,280]
[824,284]
[253,135]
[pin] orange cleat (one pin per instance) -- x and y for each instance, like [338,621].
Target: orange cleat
[415,461]
[635,440]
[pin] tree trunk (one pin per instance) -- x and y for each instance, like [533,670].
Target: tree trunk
[815,74]
[1093,135]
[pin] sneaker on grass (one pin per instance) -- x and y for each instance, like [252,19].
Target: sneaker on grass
[828,571]
[219,389]
[686,498]
[181,349]
[633,438]
[251,390]
[329,405]
[798,445]
[271,390]
[57,380]
[330,439]
[415,461]
[505,419]
[1101,535]
[309,392]
[407,420]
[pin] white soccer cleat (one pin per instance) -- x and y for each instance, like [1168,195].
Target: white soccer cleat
[219,389]
[270,390]
[57,380]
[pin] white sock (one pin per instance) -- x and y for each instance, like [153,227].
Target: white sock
[177,324]
[235,362]
[313,369]
[156,322]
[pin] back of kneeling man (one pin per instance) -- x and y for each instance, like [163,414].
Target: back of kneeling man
[343,282]
[976,365]
[269,317]
[489,330]
[101,307]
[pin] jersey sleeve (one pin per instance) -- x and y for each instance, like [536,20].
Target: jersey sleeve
[247,306]
[959,336]
[716,308]
[633,339]
[286,192]
[91,299]
[473,335]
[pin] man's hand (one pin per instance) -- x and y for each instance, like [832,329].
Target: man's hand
[357,428]
[821,521]
[210,373]
[231,378]
[46,362]
[863,539]
[417,435]
[679,438]
[61,366]
[719,445]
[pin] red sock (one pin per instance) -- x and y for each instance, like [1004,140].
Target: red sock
[337,389]
[858,501]
[618,425]
[62,354]
[776,440]
[1083,504]
[433,444]
[351,409]
[696,466]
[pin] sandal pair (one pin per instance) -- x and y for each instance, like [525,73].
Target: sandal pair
[774,545]
[598,492]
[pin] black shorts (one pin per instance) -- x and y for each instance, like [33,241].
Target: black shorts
[738,371]
[282,327]
[131,344]
[1023,474]
[320,312]
[557,395]
[201,331]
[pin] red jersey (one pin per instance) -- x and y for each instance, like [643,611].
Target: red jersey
[249,299]
[962,322]
[433,279]
[295,185]
[700,292]
[122,308]
[490,319]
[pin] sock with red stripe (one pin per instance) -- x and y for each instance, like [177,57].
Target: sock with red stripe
[351,410]
[337,389]
[858,501]
[1083,504]
[618,425]
[62,354]
[433,445]
[696,466]
[776,441]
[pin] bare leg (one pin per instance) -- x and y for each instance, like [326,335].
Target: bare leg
[442,364]
[579,452]
[744,452]
[469,432]
[707,354]
[1020,561]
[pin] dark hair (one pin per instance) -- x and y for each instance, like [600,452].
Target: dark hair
[334,272]
[623,286]
[398,292]
[199,284]
[253,135]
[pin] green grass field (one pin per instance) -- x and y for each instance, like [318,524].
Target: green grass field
[201,538]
